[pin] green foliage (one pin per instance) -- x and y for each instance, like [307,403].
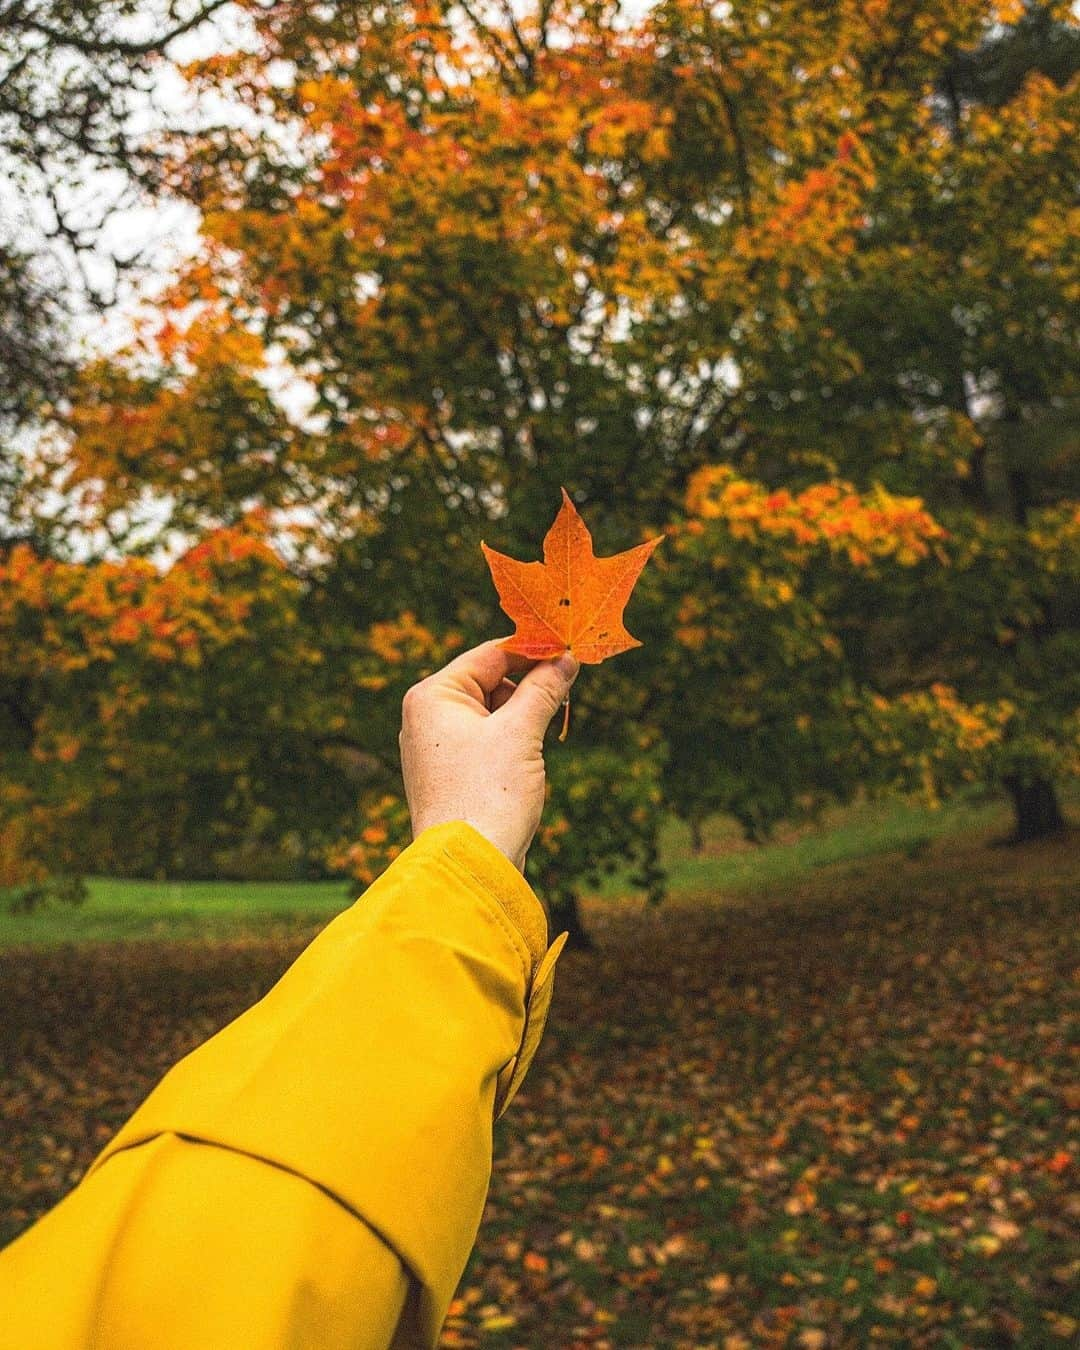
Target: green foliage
[993,72]
[31,897]
[603,811]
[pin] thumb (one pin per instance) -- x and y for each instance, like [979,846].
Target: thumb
[542,691]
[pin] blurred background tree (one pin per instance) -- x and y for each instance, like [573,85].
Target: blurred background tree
[76,81]
[796,284]
[76,84]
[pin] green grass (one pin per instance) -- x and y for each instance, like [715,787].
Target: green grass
[118,910]
[728,867]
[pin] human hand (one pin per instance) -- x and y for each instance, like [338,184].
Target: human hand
[472,743]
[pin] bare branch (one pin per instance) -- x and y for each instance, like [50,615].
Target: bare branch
[498,48]
[90,45]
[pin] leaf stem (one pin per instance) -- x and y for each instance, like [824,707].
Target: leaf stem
[566,720]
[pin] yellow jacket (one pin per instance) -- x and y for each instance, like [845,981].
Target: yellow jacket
[314,1174]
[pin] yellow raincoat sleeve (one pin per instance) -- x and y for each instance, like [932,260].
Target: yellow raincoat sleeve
[314,1174]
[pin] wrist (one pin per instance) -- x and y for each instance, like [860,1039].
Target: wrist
[514,853]
[498,839]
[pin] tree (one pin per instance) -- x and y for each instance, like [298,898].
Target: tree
[717,255]
[74,79]
[119,680]
[965,392]
[993,72]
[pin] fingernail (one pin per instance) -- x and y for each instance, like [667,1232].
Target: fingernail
[568,666]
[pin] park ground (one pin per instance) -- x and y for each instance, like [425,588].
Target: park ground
[827,1095]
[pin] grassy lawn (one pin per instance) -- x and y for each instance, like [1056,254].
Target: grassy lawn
[118,910]
[729,867]
[825,1097]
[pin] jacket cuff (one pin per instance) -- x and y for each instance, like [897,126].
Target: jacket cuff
[496,875]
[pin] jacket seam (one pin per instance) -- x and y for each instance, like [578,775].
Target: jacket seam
[114,1150]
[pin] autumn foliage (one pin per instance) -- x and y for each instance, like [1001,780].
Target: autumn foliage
[769,279]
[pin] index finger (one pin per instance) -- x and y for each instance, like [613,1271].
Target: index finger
[479,671]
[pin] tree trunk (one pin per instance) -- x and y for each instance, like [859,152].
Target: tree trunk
[1038,813]
[1019,495]
[697,836]
[565,917]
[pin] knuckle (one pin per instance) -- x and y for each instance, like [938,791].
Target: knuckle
[410,704]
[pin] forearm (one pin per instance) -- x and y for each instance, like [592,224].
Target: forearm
[369,1075]
[176,1244]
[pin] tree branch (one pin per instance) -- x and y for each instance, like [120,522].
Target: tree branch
[90,45]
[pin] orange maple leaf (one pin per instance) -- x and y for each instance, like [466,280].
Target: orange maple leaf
[573,601]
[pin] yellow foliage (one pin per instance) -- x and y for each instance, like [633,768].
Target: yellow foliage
[876,524]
